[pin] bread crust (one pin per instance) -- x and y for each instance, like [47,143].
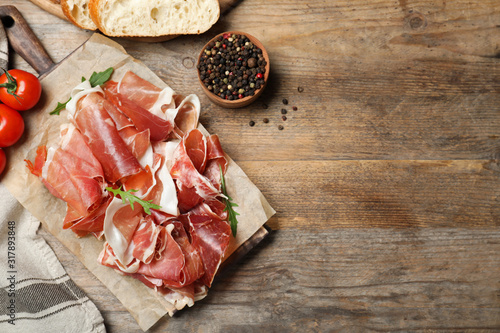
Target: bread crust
[96,15]
[67,11]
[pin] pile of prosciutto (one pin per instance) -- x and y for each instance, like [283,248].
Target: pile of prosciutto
[133,136]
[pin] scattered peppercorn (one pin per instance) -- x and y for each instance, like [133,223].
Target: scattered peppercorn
[232,67]
[283,111]
[285,101]
[300,89]
[284,117]
[251,123]
[280,127]
[265,120]
[294,108]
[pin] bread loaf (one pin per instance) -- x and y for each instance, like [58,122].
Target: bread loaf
[77,11]
[153,18]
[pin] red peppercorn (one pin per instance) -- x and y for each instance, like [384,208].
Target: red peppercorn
[240,96]
[224,46]
[259,75]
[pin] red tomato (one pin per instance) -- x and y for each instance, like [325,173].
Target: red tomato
[3,160]
[11,126]
[19,89]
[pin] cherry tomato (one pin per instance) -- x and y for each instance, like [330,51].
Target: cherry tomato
[19,89]
[11,126]
[3,160]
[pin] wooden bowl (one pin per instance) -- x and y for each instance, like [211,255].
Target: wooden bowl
[241,102]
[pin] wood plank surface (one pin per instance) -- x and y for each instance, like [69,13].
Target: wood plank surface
[385,179]
[343,279]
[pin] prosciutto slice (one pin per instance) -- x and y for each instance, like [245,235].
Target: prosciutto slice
[120,224]
[101,135]
[73,174]
[210,236]
[187,115]
[134,106]
[188,164]
[216,161]
[135,136]
[168,264]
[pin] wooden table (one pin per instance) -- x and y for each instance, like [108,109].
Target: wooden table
[386,177]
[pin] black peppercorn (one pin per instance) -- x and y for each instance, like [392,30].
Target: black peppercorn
[232,60]
[251,123]
[285,101]
[265,120]
[280,127]
[283,111]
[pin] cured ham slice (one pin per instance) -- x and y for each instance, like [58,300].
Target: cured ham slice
[168,264]
[186,171]
[135,106]
[120,224]
[188,113]
[146,94]
[217,161]
[135,136]
[137,141]
[100,133]
[144,240]
[193,266]
[210,236]
[71,173]
[93,223]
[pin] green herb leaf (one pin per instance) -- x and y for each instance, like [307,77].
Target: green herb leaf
[127,195]
[59,107]
[97,79]
[231,214]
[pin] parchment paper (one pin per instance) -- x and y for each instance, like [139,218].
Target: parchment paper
[97,54]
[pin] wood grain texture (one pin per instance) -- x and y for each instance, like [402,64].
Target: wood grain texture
[348,280]
[385,179]
[389,194]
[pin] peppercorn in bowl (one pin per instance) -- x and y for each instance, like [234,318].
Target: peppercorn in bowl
[233,69]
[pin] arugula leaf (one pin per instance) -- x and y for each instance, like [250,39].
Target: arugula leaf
[97,79]
[127,195]
[60,106]
[233,222]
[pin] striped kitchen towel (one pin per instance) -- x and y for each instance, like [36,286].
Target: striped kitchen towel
[36,294]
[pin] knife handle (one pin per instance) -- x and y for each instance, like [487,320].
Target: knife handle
[24,41]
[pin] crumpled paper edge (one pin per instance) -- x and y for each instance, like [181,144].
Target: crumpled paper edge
[97,54]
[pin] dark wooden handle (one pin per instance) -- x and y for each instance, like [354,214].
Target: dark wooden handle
[24,41]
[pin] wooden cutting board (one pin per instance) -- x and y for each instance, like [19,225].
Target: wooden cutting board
[54,7]
[25,43]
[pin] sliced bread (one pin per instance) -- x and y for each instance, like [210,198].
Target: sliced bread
[153,18]
[77,11]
